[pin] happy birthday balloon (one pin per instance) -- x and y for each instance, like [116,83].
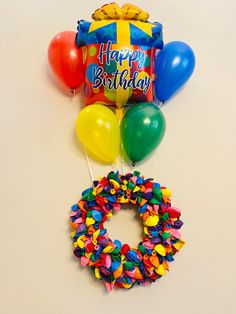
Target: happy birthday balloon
[119,47]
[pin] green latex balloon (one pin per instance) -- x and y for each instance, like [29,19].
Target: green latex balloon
[142,130]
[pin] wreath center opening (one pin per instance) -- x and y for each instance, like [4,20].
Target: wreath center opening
[125,225]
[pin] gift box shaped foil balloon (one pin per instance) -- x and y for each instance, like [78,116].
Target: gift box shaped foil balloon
[119,53]
[122,61]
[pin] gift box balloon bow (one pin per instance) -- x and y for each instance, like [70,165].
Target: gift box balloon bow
[127,74]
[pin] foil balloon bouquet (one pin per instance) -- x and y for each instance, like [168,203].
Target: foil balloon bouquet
[128,73]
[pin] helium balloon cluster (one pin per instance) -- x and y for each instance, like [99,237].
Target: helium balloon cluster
[127,72]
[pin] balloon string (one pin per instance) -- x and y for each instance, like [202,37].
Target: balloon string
[161,104]
[119,115]
[89,165]
[85,152]
[122,158]
[115,167]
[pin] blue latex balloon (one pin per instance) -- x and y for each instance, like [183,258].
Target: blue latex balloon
[175,64]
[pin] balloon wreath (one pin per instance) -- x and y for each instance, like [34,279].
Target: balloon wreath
[119,264]
[128,73]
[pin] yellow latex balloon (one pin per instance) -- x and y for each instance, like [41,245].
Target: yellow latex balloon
[98,129]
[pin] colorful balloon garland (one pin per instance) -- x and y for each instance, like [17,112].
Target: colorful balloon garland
[122,61]
[111,261]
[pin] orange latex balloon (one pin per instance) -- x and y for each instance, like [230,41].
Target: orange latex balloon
[65,59]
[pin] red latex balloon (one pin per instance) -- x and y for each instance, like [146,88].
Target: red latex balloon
[65,59]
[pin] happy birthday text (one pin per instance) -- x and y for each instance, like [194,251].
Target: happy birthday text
[121,78]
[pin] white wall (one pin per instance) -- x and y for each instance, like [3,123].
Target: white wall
[43,169]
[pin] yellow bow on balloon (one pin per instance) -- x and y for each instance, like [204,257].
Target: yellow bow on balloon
[113,11]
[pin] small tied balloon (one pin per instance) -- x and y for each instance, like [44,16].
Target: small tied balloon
[98,129]
[142,130]
[65,59]
[174,66]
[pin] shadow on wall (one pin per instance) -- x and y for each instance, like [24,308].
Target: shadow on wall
[58,85]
